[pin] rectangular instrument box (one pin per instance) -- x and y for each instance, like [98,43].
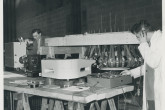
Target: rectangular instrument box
[13,51]
[110,82]
[66,68]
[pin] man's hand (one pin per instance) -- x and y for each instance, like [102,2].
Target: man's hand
[143,37]
[125,72]
[27,41]
[20,39]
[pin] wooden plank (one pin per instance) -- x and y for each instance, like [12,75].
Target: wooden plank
[97,105]
[58,40]
[50,51]
[104,105]
[113,92]
[11,101]
[68,50]
[111,38]
[17,96]
[71,105]
[51,104]
[75,106]
[82,97]
[58,105]
[44,104]
[80,106]
[92,106]
[19,105]
[25,100]
[112,104]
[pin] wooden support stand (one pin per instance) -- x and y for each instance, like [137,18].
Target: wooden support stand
[112,104]
[76,100]
[8,100]
[52,105]
[75,106]
[22,101]
[103,106]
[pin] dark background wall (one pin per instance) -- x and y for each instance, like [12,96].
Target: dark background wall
[60,17]
[53,17]
[122,14]
[9,20]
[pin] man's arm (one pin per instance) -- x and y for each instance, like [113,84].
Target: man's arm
[152,58]
[136,72]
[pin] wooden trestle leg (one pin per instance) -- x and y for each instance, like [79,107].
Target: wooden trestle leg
[22,101]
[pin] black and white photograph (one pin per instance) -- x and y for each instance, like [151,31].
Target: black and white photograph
[82,55]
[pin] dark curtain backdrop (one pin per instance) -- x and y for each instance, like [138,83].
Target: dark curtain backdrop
[76,16]
[9,20]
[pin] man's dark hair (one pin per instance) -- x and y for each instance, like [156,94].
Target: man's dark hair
[143,25]
[36,30]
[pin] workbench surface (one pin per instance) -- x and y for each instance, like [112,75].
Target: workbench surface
[85,96]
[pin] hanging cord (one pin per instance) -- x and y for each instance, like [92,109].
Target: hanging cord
[132,97]
[136,102]
[138,92]
[124,98]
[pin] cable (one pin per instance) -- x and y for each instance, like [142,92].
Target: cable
[136,102]
[132,97]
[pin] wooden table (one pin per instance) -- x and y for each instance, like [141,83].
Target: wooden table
[59,94]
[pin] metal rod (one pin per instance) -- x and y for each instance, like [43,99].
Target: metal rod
[124,21]
[110,25]
[11,101]
[101,24]
[115,23]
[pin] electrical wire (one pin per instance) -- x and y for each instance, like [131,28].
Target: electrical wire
[132,97]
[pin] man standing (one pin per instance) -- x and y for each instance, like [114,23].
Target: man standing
[151,50]
[37,41]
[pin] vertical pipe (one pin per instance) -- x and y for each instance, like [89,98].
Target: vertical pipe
[110,25]
[11,100]
[115,24]
[101,24]
[124,22]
